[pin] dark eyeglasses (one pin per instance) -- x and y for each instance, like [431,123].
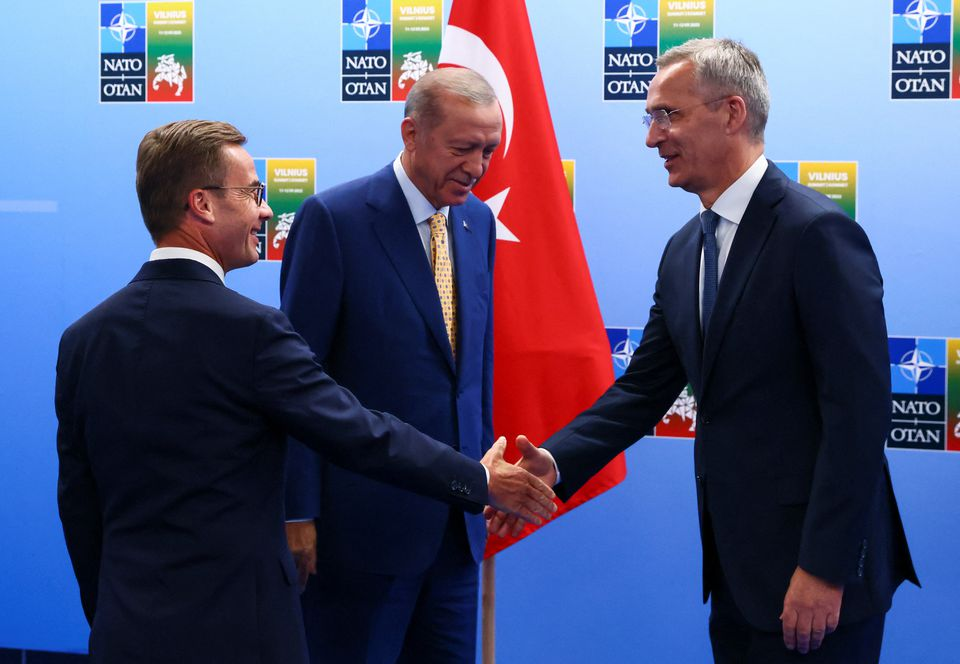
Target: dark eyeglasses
[259,191]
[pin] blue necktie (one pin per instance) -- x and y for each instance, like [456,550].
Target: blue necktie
[708,223]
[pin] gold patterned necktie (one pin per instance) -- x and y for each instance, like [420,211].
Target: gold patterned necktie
[443,275]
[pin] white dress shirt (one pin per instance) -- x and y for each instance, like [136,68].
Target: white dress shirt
[730,206]
[421,209]
[165,253]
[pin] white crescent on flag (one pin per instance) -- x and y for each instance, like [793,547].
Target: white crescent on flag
[465,49]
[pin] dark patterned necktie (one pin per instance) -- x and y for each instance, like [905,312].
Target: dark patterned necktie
[708,223]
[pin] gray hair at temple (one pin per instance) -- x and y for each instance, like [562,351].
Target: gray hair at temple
[726,67]
[425,101]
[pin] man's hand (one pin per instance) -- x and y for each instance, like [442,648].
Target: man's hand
[514,490]
[811,610]
[302,540]
[535,461]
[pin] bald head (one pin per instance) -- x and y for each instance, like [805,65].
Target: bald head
[428,95]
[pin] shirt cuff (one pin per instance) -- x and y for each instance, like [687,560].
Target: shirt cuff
[554,462]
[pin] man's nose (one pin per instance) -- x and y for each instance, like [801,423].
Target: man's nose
[654,135]
[473,165]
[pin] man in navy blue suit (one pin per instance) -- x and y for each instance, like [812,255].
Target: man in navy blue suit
[366,270]
[769,304]
[174,398]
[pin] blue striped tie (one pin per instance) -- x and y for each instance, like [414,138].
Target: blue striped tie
[708,223]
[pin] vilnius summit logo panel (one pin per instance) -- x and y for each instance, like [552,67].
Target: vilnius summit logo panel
[635,33]
[925,61]
[146,52]
[386,46]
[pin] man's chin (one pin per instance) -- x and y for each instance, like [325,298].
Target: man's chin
[457,196]
[676,180]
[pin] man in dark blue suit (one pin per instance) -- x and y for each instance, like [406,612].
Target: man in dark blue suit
[174,398]
[769,304]
[389,279]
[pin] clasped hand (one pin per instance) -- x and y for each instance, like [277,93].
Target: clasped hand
[516,495]
[536,462]
[516,491]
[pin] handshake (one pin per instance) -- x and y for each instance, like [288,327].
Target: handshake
[519,492]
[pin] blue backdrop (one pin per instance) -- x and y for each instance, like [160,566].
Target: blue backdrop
[618,579]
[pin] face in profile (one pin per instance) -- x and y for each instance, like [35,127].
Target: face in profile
[693,146]
[445,160]
[237,217]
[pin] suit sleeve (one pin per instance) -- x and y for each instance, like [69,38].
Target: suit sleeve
[624,413]
[301,398]
[77,497]
[839,293]
[311,280]
[487,394]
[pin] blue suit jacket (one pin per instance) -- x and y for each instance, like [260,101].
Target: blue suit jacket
[792,382]
[357,284]
[174,398]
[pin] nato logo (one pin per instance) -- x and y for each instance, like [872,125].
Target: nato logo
[630,34]
[680,421]
[365,51]
[123,51]
[623,341]
[918,380]
[920,67]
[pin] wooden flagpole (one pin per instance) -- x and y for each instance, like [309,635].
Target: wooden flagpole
[488,604]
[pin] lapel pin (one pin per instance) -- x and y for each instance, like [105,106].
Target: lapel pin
[465,225]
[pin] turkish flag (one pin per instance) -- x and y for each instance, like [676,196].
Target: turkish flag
[551,354]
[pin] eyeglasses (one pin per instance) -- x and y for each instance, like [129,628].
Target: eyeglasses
[662,117]
[258,191]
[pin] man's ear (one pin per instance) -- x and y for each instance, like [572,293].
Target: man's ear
[200,205]
[408,132]
[736,109]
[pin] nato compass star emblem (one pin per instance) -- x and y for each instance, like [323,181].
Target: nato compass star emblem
[631,19]
[623,353]
[366,23]
[921,15]
[123,27]
[916,366]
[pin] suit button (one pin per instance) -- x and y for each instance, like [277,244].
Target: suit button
[705,419]
[454,485]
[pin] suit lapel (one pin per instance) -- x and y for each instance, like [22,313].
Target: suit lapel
[758,220]
[397,232]
[689,310]
[465,254]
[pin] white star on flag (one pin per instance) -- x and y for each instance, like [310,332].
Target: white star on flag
[495,203]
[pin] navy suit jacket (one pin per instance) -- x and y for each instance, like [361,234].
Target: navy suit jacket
[357,284]
[792,382]
[174,398]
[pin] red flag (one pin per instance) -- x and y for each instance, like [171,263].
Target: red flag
[551,354]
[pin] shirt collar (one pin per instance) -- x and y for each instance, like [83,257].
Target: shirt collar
[420,207]
[733,202]
[165,253]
